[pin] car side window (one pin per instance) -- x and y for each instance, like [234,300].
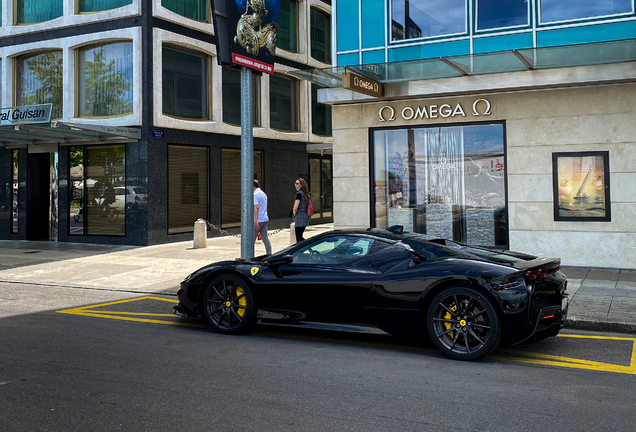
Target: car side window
[337,250]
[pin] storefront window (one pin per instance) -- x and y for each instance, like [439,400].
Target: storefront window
[35,11]
[495,14]
[320,36]
[77,203]
[105,190]
[100,5]
[565,10]
[412,19]
[231,185]
[283,99]
[232,97]
[581,186]
[14,192]
[105,80]
[287,26]
[39,81]
[447,182]
[187,187]
[320,114]
[185,84]
[195,9]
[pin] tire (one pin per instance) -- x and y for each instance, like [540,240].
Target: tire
[463,323]
[228,305]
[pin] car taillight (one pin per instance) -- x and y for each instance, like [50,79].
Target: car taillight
[536,274]
[137,198]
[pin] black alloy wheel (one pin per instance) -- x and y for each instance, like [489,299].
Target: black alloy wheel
[228,305]
[463,323]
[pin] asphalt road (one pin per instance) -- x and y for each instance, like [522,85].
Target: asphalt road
[115,361]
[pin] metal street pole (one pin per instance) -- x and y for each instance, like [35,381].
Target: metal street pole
[247,166]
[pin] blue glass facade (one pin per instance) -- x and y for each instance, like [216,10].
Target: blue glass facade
[378,31]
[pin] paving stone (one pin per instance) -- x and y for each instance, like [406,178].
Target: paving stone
[603,274]
[575,272]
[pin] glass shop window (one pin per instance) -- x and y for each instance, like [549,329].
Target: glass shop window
[185,89]
[447,182]
[187,187]
[231,185]
[581,186]
[288,26]
[35,11]
[88,6]
[15,189]
[105,80]
[497,14]
[413,19]
[232,97]
[565,10]
[39,81]
[99,197]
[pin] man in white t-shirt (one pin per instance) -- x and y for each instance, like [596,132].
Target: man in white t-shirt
[260,217]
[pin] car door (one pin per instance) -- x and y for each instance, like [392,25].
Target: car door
[328,280]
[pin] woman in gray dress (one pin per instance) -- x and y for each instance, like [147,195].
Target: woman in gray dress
[301,218]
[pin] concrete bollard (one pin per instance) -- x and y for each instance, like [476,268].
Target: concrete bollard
[292,233]
[200,234]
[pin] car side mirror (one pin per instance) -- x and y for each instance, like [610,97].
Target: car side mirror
[280,260]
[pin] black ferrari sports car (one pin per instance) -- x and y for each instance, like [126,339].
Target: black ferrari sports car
[467,299]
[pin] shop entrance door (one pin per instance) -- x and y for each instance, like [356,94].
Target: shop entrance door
[42,194]
[321,188]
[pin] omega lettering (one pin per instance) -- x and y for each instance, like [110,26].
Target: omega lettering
[480,107]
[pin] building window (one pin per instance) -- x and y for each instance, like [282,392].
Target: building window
[187,187]
[565,10]
[231,184]
[412,19]
[99,196]
[320,114]
[195,9]
[581,186]
[105,80]
[232,97]
[320,36]
[39,81]
[283,99]
[447,182]
[495,14]
[35,11]
[288,26]
[100,5]
[15,201]
[185,84]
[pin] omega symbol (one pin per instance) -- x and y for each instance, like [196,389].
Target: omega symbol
[391,110]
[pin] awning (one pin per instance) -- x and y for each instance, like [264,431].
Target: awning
[64,133]
[479,64]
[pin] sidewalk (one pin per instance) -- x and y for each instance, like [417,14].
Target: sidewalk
[601,299]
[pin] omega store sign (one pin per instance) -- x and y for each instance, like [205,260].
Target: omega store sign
[479,107]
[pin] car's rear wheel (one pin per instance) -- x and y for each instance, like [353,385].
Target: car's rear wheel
[463,323]
[228,305]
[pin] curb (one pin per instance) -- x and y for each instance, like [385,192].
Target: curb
[600,326]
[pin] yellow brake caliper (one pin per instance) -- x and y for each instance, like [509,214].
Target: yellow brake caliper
[242,301]
[449,316]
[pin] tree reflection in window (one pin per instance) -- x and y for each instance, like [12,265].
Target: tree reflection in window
[105,87]
[39,81]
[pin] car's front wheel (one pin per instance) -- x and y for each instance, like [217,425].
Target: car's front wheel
[228,305]
[463,323]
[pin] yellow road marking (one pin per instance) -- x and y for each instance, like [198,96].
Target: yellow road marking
[524,356]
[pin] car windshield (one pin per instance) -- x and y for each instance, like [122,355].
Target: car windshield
[139,190]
